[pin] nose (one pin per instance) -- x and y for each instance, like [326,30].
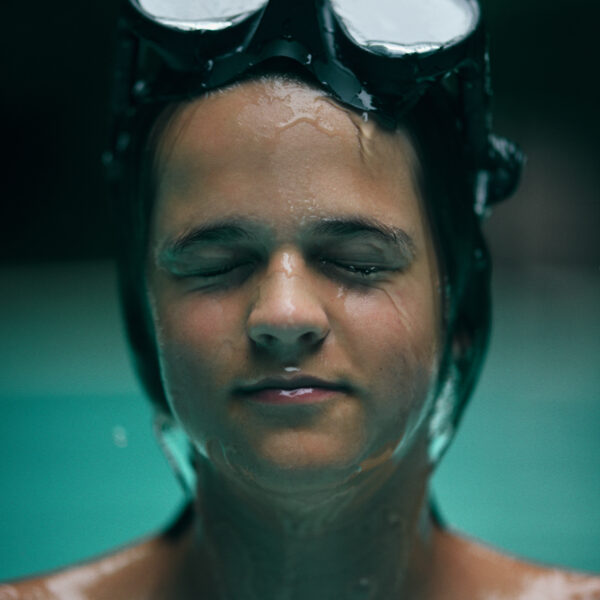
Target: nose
[287,317]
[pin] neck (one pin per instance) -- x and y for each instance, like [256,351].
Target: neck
[369,542]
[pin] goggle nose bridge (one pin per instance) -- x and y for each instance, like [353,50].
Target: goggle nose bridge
[301,31]
[297,20]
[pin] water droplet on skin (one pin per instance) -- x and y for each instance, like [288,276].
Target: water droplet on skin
[8,592]
[365,116]
[287,264]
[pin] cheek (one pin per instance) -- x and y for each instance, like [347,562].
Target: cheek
[396,325]
[196,345]
[396,344]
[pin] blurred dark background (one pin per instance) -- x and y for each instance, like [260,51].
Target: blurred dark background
[55,82]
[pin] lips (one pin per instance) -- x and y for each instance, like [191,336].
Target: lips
[290,391]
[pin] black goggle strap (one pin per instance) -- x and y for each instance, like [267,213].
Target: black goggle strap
[136,82]
[474,105]
[496,162]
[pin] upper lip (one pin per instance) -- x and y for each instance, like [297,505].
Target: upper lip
[287,383]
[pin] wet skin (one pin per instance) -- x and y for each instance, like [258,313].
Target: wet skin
[289,242]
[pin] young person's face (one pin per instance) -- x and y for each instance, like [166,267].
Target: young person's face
[293,285]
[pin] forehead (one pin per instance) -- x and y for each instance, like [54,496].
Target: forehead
[286,142]
[263,110]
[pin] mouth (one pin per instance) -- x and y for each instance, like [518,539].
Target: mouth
[290,391]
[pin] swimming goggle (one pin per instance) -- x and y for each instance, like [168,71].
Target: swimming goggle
[377,56]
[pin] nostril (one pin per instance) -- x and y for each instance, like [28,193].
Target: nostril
[309,337]
[287,338]
[267,340]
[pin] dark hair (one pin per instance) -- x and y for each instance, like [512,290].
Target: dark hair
[447,185]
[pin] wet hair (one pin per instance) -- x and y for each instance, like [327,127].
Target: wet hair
[446,185]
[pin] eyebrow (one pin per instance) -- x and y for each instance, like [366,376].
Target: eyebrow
[236,229]
[366,226]
[217,232]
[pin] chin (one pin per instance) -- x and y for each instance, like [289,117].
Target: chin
[296,463]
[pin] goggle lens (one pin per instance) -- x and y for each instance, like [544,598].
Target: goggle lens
[396,27]
[191,15]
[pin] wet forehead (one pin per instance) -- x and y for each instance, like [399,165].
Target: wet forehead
[285,121]
[260,109]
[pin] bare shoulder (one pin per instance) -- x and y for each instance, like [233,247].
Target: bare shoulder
[472,568]
[154,569]
[130,573]
[149,570]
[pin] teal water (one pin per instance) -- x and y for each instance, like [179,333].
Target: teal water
[81,473]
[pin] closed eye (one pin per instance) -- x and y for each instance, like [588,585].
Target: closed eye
[356,269]
[218,271]
[218,276]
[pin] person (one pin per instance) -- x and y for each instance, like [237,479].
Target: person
[306,289]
